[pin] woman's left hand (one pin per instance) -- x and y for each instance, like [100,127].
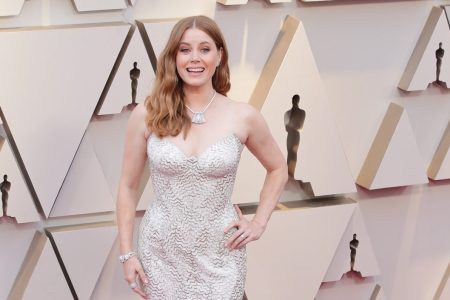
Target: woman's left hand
[246,232]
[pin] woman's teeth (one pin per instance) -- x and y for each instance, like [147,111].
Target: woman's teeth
[195,69]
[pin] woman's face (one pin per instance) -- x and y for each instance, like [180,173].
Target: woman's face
[197,58]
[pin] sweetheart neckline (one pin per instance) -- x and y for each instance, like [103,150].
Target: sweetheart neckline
[203,152]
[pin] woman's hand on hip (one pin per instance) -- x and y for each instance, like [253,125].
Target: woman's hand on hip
[246,232]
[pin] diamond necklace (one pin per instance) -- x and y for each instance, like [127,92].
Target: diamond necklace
[198,117]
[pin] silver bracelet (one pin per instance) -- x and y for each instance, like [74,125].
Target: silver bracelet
[125,257]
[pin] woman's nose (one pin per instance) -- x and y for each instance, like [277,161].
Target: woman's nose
[194,55]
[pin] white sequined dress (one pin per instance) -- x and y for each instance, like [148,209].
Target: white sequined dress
[181,236]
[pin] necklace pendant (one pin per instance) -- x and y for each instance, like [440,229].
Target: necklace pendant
[198,118]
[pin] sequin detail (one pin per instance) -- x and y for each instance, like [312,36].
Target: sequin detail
[181,239]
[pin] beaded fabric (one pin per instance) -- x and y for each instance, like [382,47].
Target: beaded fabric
[181,236]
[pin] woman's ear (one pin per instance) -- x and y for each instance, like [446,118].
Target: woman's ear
[220,56]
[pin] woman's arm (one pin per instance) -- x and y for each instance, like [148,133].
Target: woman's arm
[263,146]
[134,159]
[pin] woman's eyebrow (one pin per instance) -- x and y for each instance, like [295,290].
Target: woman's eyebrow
[201,43]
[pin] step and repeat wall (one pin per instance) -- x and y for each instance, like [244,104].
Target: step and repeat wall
[362,84]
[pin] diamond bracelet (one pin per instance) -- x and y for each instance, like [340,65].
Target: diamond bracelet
[125,257]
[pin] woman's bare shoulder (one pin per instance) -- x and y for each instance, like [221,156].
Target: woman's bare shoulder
[138,119]
[245,117]
[140,110]
[242,109]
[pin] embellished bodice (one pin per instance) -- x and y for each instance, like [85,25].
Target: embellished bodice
[207,177]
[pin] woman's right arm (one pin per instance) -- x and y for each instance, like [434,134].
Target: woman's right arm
[134,159]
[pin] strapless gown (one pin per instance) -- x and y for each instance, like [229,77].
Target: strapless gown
[181,236]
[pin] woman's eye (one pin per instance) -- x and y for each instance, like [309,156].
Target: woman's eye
[205,50]
[184,50]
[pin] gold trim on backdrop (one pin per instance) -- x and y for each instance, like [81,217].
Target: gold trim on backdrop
[375,292]
[160,20]
[281,206]
[114,70]
[81,226]
[442,284]
[232,2]
[65,26]
[2,141]
[440,154]
[75,6]
[250,209]
[379,145]
[26,270]
[420,48]
[8,12]
[274,62]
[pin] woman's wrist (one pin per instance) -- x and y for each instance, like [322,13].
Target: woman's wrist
[126,246]
[123,258]
[261,223]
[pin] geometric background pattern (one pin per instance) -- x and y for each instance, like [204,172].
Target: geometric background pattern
[86,5]
[10,7]
[24,208]
[281,267]
[67,152]
[439,167]
[327,173]
[420,71]
[365,259]
[394,158]
[62,88]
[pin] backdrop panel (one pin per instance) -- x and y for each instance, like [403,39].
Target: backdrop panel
[93,246]
[291,70]
[282,263]
[47,280]
[421,68]
[439,167]
[393,159]
[365,262]
[89,5]
[55,88]
[15,241]
[107,134]
[20,203]
[10,7]
[348,289]
[128,77]
[85,189]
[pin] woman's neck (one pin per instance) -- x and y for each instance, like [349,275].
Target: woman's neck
[198,98]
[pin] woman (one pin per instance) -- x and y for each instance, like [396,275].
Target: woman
[192,240]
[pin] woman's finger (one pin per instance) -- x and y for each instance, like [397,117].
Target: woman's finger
[238,210]
[241,237]
[142,276]
[140,292]
[134,286]
[244,242]
[233,224]
[233,237]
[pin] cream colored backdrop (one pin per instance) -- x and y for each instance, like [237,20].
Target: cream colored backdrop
[61,60]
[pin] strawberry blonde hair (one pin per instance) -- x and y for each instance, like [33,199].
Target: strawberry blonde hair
[166,112]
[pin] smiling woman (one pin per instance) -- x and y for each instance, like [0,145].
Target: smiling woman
[196,52]
[192,240]
[197,58]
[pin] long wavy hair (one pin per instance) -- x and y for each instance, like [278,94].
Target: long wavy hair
[166,112]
